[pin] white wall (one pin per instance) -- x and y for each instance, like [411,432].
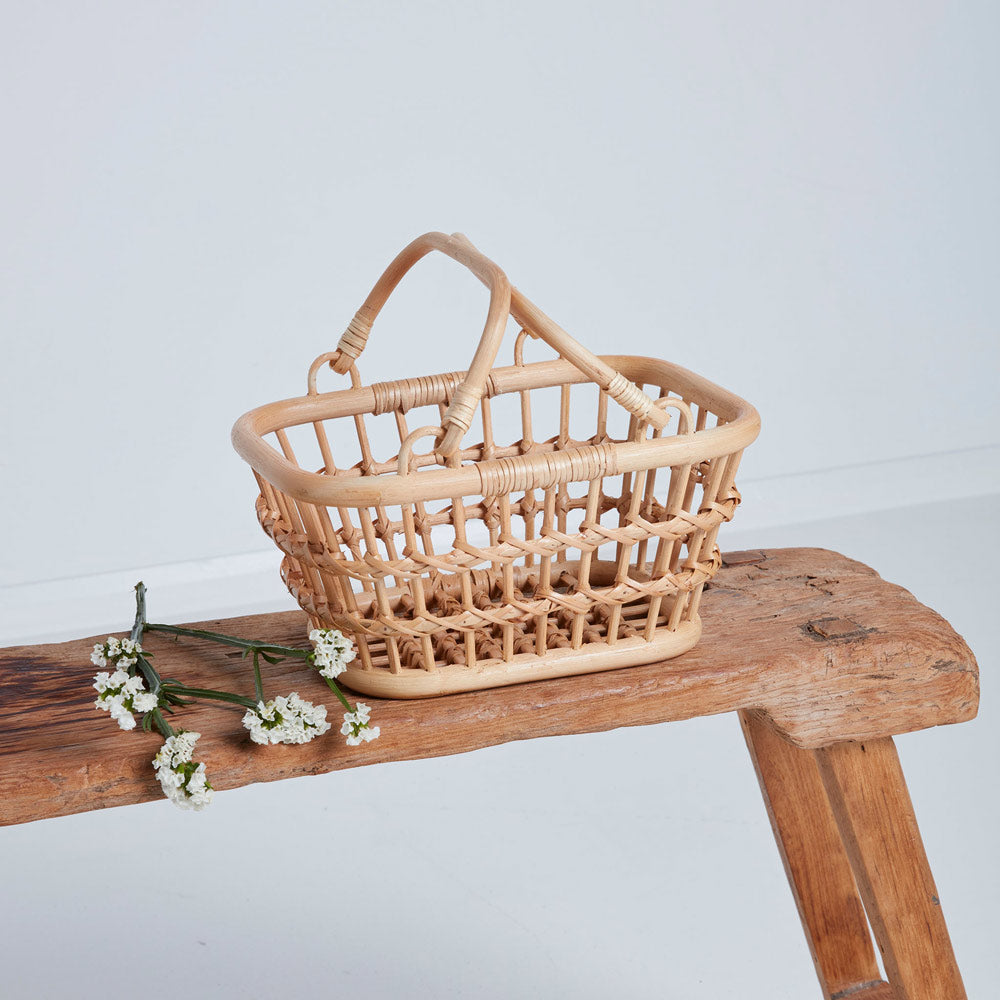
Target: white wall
[798,200]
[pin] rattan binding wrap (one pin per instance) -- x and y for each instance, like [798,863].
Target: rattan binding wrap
[466,566]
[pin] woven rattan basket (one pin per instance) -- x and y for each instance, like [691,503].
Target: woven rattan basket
[470,566]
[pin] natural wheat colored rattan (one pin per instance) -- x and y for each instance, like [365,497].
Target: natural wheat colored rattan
[475,565]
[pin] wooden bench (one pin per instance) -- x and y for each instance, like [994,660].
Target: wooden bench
[823,660]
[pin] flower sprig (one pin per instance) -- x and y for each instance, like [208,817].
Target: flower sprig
[331,652]
[121,694]
[356,727]
[135,685]
[182,779]
[120,652]
[286,720]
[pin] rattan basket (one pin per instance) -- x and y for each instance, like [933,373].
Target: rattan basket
[475,565]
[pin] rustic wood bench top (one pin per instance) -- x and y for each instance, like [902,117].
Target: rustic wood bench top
[819,643]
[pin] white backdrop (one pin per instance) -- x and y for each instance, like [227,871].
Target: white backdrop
[797,200]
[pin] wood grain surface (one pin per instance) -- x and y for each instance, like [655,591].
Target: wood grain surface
[817,642]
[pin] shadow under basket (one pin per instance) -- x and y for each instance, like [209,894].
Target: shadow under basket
[475,566]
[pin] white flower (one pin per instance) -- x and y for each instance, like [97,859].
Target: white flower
[120,711]
[128,652]
[286,720]
[332,653]
[104,681]
[144,701]
[356,727]
[121,695]
[182,780]
[117,652]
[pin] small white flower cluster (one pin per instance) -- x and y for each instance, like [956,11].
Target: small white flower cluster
[122,695]
[332,653]
[286,720]
[356,727]
[182,780]
[118,652]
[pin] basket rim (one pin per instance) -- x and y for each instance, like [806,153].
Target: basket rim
[741,428]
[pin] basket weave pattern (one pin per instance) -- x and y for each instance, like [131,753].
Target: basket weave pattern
[497,562]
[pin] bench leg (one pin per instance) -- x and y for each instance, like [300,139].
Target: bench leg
[844,823]
[816,863]
[865,786]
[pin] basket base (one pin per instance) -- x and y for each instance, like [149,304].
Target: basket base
[413,682]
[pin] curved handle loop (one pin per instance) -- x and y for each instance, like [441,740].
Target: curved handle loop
[522,336]
[406,448]
[686,420]
[329,358]
[504,301]
[465,398]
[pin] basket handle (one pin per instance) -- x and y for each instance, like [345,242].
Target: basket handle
[622,390]
[503,301]
[466,396]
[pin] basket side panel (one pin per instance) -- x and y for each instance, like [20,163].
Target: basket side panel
[478,582]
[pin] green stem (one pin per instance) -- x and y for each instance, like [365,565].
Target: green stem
[332,685]
[249,645]
[161,723]
[145,667]
[140,612]
[256,676]
[229,640]
[210,694]
[149,672]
